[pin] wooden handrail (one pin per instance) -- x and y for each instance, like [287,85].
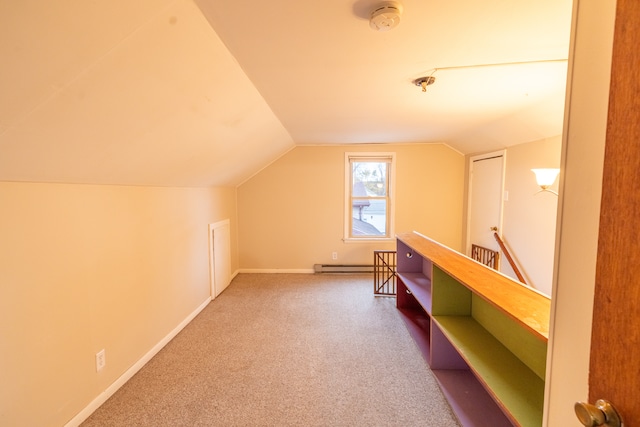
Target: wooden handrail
[507,255]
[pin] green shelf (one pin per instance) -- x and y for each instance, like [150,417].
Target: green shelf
[514,387]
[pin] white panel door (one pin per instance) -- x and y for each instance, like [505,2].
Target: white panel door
[220,256]
[486,176]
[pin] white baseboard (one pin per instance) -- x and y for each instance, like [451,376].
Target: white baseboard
[276,270]
[95,404]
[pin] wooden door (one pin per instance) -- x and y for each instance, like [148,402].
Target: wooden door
[615,339]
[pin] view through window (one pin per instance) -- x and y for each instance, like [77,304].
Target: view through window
[369,196]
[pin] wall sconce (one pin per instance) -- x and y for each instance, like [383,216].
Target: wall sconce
[546,178]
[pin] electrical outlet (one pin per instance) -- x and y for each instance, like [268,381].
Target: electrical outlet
[101,360]
[334,255]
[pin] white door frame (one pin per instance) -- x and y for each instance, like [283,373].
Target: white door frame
[584,139]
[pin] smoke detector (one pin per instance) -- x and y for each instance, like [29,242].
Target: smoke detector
[385,16]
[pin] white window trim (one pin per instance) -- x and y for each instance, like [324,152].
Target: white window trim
[347,196]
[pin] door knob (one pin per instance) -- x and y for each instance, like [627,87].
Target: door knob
[602,414]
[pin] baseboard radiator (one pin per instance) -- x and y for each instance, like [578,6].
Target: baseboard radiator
[343,268]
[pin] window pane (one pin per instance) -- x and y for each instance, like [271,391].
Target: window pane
[369,217]
[369,179]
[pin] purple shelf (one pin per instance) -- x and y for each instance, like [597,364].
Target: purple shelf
[420,287]
[419,326]
[469,400]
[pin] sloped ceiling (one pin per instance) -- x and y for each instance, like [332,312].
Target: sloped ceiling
[127,92]
[177,93]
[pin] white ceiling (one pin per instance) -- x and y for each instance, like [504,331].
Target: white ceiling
[177,93]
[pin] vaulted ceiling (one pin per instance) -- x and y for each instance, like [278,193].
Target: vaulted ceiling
[177,93]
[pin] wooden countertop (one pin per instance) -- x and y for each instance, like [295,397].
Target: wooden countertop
[525,305]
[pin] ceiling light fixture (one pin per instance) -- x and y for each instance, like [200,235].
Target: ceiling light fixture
[385,16]
[423,82]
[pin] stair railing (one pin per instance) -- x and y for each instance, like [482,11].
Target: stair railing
[384,273]
[507,255]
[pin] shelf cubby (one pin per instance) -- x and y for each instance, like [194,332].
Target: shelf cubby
[468,399]
[515,388]
[416,319]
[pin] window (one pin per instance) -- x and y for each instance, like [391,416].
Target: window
[368,196]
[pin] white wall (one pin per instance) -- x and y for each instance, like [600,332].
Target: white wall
[291,213]
[529,224]
[89,267]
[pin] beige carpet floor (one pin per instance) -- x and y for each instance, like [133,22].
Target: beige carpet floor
[286,350]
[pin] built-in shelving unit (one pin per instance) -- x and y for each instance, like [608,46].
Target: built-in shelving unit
[483,334]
